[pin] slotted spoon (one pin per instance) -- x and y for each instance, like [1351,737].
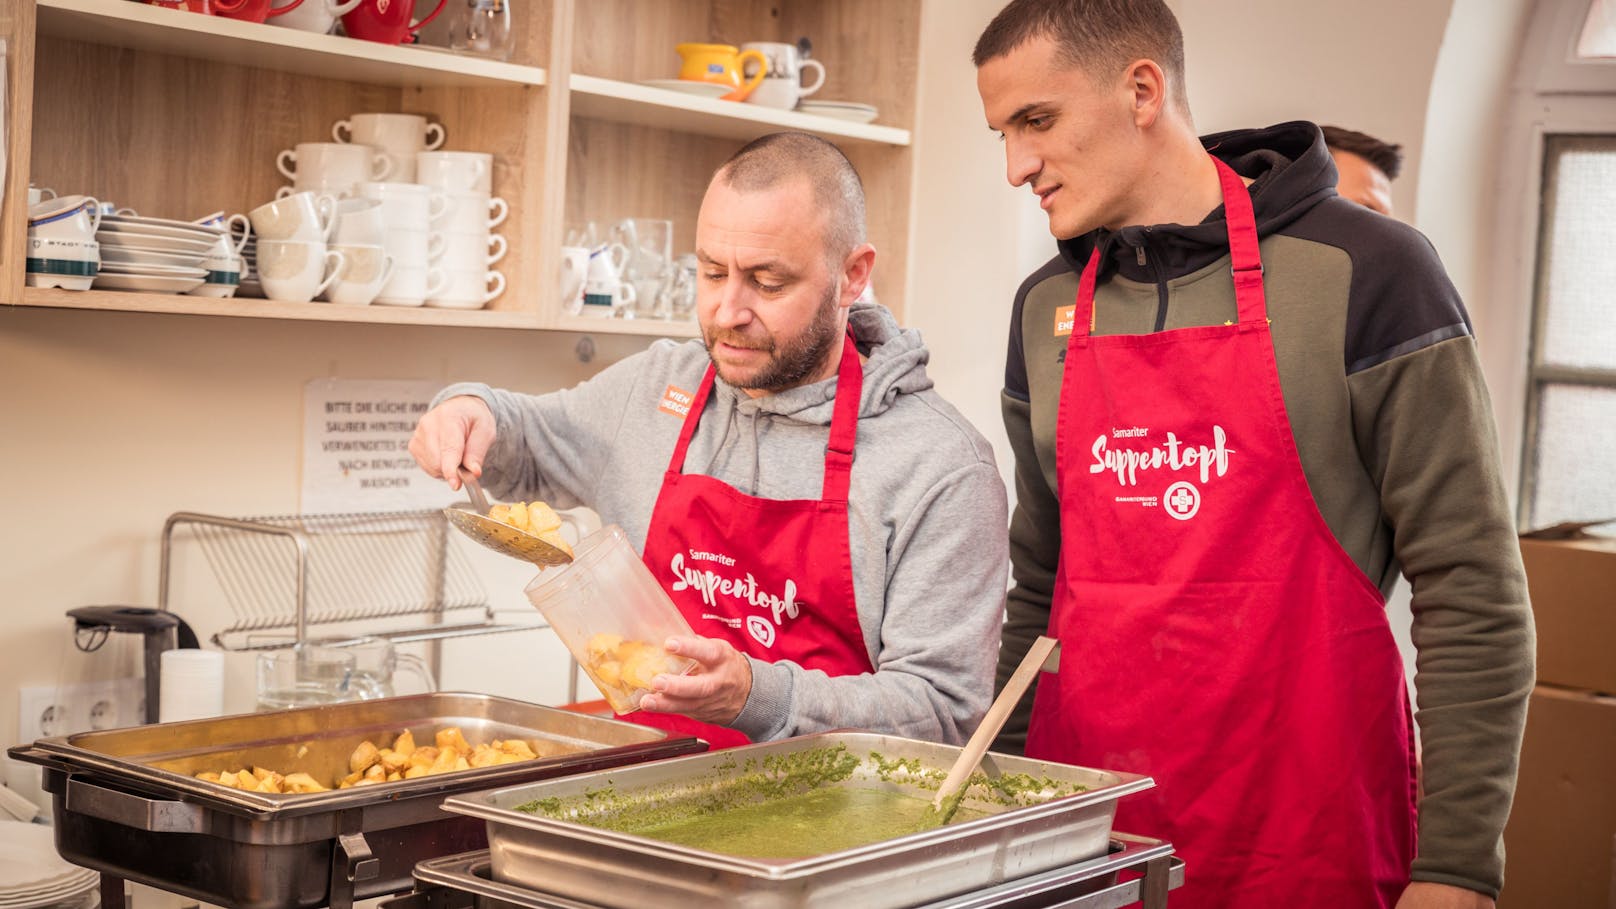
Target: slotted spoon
[496,535]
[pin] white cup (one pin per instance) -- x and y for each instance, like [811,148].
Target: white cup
[296,271]
[410,285]
[412,247]
[398,136]
[782,84]
[191,685]
[406,205]
[455,171]
[360,222]
[467,288]
[232,225]
[605,291]
[469,212]
[331,167]
[314,15]
[468,251]
[66,263]
[574,266]
[364,272]
[298,216]
[225,267]
[38,194]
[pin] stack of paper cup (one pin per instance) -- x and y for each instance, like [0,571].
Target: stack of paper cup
[191,685]
[469,248]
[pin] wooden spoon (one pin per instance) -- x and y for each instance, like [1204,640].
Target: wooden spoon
[1043,655]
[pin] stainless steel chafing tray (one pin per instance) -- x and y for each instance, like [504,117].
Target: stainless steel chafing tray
[550,851]
[127,803]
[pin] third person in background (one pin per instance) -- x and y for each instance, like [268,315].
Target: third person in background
[1240,405]
[1365,167]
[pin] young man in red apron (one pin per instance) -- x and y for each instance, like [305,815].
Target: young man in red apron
[836,572]
[1216,632]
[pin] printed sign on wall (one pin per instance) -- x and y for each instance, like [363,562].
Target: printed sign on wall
[356,447]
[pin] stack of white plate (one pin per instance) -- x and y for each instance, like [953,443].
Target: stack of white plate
[33,876]
[153,255]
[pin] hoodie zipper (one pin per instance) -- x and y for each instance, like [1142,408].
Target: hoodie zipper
[1161,283]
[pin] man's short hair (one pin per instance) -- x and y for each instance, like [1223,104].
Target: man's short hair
[772,160]
[1385,156]
[1097,36]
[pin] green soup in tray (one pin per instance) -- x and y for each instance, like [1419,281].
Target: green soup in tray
[821,821]
[797,805]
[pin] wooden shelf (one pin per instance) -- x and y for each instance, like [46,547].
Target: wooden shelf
[179,33]
[274,309]
[650,328]
[644,105]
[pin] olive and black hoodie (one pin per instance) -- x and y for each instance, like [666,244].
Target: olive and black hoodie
[1384,392]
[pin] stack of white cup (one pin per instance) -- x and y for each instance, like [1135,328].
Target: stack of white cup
[190,685]
[408,211]
[471,212]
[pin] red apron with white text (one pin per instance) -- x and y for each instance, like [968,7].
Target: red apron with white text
[1214,634]
[772,577]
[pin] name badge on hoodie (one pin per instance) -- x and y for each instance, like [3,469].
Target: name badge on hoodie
[1063,320]
[676,401]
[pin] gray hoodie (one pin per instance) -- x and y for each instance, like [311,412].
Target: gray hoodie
[927,513]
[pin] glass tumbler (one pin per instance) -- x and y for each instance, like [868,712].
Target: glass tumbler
[481,27]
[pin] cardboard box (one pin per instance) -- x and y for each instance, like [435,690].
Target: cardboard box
[1561,836]
[1573,588]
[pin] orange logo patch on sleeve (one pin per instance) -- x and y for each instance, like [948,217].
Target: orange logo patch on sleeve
[1063,320]
[675,401]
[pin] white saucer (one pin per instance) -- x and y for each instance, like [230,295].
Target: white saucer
[153,241]
[155,271]
[147,283]
[196,234]
[841,110]
[690,87]
[139,255]
[157,225]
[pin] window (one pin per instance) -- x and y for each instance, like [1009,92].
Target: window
[1571,407]
[1598,35]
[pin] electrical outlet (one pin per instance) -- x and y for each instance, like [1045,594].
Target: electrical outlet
[109,704]
[41,712]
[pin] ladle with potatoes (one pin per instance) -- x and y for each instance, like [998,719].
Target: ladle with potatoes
[530,531]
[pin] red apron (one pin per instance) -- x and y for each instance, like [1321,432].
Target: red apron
[772,577]
[1214,633]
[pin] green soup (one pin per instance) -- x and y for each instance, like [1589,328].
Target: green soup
[816,822]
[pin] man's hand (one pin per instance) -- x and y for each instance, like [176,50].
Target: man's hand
[714,692]
[1423,895]
[458,431]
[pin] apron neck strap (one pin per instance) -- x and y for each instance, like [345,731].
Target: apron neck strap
[1245,259]
[843,423]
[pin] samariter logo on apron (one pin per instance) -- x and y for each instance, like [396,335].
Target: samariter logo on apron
[1182,499]
[740,585]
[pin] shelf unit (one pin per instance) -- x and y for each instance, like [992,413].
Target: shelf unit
[175,114]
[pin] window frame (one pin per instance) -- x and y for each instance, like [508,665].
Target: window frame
[1556,94]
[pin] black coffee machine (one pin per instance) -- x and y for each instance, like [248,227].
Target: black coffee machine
[161,630]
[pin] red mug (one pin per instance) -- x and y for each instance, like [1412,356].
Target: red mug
[252,10]
[386,21]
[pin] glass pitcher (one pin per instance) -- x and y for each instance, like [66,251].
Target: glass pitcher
[308,674]
[378,664]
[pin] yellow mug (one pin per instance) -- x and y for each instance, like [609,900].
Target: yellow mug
[722,64]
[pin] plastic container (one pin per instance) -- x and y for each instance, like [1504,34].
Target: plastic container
[612,616]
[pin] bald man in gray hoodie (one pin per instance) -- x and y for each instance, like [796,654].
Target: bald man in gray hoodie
[833,530]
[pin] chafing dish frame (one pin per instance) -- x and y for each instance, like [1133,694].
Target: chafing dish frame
[125,802]
[466,882]
[595,865]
